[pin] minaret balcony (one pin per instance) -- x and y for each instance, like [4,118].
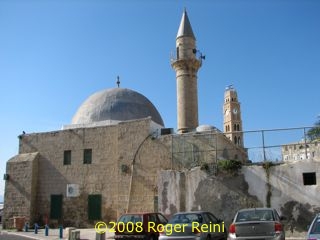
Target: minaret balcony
[191,62]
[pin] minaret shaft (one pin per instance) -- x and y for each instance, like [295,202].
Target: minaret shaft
[186,65]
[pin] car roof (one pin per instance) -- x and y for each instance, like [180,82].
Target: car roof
[140,213]
[190,212]
[253,209]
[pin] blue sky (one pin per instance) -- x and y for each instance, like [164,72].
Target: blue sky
[54,54]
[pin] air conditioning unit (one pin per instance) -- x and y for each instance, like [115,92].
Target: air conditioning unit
[73,190]
[166,131]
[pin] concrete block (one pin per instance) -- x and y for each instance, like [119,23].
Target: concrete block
[75,235]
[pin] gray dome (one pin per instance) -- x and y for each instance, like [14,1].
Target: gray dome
[205,128]
[115,105]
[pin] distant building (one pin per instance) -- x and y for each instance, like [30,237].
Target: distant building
[232,116]
[301,150]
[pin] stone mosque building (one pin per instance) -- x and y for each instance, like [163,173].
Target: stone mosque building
[107,161]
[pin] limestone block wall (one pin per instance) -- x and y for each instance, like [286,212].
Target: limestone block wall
[143,155]
[125,161]
[194,149]
[20,188]
[99,177]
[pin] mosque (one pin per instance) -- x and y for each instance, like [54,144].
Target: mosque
[107,161]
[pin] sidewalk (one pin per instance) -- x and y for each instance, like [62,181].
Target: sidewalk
[90,234]
[85,234]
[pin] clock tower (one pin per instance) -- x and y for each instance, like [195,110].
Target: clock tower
[232,122]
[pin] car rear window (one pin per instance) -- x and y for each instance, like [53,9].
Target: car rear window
[134,218]
[186,218]
[255,215]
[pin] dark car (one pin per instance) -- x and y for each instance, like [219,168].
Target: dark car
[196,225]
[257,223]
[314,229]
[139,226]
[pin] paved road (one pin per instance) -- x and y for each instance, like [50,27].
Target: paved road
[5,236]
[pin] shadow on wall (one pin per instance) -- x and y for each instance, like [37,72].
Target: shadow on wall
[298,215]
[224,196]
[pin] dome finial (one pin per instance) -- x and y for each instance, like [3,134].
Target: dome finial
[118,81]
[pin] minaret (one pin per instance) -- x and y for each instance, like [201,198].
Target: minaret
[186,64]
[232,116]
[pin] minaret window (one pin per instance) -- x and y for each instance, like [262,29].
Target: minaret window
[235,140]
[177,53]
[239,141]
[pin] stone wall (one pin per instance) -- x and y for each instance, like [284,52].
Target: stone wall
[194,189]
[20,189]
[282,187]
[125,161]
[277,186]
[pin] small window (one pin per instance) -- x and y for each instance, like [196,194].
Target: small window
[67,157]
[177,53]
[87,156]
[309,178]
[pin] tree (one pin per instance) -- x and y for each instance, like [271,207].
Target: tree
[314,132]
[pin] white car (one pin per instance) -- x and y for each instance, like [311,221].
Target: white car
[314,229]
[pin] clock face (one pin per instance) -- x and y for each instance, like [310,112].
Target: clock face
[227,112]
[235,110]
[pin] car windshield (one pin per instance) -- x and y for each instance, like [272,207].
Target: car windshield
[255,215]
[134,218]
[186,218]
[316,227]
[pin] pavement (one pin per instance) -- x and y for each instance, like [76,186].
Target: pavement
[91,234]
[53,234]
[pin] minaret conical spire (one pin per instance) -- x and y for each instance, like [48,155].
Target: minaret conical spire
[185,29]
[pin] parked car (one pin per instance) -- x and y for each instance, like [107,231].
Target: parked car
[257,223]
[194,226]
[139,226]
[314,229]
